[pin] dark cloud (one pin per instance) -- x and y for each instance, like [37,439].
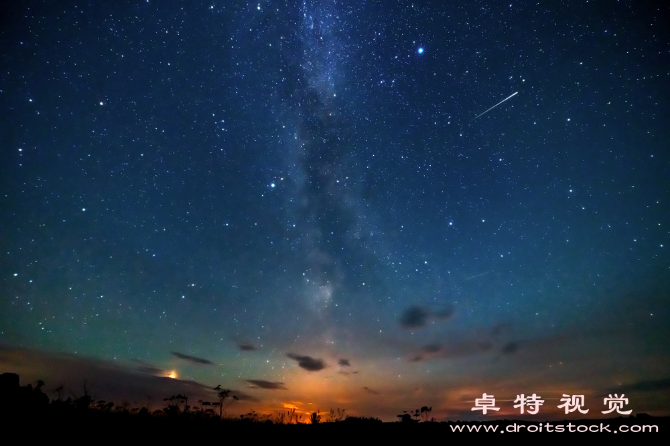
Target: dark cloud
[243,396]
[269,385]
[484,346]
[110,380]
[455,349]
[500,329]
[510,348]
[432,348]
[417,316]
[414,317]
[369,390]
[308,363]
[150,369]
[344,362]
[246,347]
[193,359]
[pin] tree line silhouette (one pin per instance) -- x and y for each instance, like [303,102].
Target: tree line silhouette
[17,400]
[23,407]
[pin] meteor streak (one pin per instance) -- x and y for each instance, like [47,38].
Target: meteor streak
[477,275]
[509,97]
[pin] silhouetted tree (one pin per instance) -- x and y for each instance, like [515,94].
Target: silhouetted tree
[250,417]
[148,406]
[406,417]
[84,402]
[425,413]
[207,411]
[172,408]
[104,405]
[182,399]
[223,395]
[59,390]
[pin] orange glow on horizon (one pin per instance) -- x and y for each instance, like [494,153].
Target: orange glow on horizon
[173,375]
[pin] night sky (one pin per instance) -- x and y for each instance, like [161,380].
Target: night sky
[319,205]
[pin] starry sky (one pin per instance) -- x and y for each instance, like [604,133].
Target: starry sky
[338,204]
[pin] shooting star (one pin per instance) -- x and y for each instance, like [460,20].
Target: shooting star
[478,275]
[509,97]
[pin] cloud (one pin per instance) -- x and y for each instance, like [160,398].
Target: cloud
[246,347]
[193,359]
[308,363]
[150,369]
[269,385]
[500,329]
[414,317]
[484,346]
[344,362]
[244,396]
[510,348]
[109,380]
[427,351]
[369,390]
[455,349]
[432,348]
[417,316]
[114,380]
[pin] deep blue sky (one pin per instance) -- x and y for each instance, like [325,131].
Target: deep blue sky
[291,200]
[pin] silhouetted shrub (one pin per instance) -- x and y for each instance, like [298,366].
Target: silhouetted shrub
[362,420]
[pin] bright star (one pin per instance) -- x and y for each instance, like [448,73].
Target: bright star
[420,50]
